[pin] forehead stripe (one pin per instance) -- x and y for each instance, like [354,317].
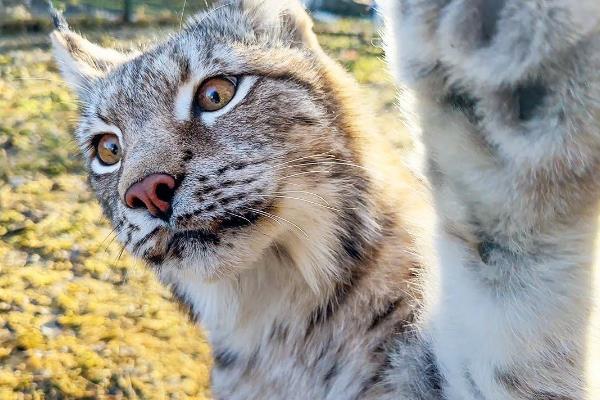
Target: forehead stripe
[183,101]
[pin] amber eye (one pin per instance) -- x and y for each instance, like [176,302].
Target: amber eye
[108,149]
[216,93]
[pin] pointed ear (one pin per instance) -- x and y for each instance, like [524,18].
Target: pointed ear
[81,61]
[283,19]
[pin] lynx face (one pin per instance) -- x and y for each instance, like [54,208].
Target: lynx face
[203,150]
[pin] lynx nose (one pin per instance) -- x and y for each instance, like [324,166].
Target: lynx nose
[153,193]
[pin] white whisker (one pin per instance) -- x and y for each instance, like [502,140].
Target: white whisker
[212,11]
[276,217]
[299,199]
[43,79]
[238,216]
[305,192]
[328,153]
[247,220]
[122,228]
[331,161]
[302,173]
[182,11]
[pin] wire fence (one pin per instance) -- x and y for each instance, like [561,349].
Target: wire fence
[111,10]
[128,11]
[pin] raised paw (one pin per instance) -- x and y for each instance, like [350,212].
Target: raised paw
[506,94]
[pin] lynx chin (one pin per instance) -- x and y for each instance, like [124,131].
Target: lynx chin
[241,164]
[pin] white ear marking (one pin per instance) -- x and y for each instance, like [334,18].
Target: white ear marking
[74,72]
[246,83]
[81,61]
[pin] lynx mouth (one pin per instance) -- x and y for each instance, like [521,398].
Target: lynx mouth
[210,234]
[195,236]
[224,219]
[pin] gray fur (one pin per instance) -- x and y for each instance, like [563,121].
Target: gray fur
[516,189]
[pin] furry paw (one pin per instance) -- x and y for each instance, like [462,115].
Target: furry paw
[506,89]
[504,96]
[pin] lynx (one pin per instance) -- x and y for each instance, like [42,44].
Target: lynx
[242,165]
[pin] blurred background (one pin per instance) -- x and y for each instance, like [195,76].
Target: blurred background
[79,319]
[30,15]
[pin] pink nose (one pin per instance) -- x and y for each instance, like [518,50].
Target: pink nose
[153,193]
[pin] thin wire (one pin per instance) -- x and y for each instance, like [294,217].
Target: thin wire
[182,11]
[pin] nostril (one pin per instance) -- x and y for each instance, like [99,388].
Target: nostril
[136,197]
[154,193]
[136,203]
[164,192]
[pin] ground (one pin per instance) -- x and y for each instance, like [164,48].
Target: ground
[79,319]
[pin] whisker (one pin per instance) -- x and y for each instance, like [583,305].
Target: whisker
[327,153]
[42,79]
[182,11]
[305,192]
[114,237]
[300,199]
[266,214]
[145,239]
[331,161]
[117,226]
[302,173]
[127,241]
[120,254]
[239,216]
[246,219]
[259,212]
[213,11]
[341,161]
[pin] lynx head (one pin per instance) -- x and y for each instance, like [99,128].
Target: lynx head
[210,148]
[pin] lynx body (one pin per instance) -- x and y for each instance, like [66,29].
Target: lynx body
[291,234]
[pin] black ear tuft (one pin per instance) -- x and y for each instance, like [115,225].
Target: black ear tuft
[59,21]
